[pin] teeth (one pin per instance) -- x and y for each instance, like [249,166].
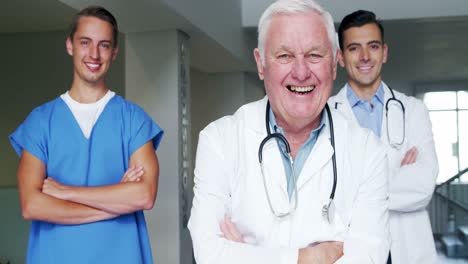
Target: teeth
[92,65]
[302,89]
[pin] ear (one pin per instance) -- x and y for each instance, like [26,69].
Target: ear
[258,60]
[385,52]
[69,46]
[340,58]
[335,63]
[114,53]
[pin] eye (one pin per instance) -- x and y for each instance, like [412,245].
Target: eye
[84,42]
[105,45]
[375,46]
[284,57]
[351,49]
[314,57]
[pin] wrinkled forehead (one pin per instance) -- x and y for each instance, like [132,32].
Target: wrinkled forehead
[305,28]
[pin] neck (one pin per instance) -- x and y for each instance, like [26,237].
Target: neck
[365,92]
[87,94]
[297,133]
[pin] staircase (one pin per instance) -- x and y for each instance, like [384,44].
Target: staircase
[456,246]
[448,211]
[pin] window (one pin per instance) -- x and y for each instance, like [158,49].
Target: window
[448,112]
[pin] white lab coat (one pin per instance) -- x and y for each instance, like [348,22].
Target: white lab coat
[411,186]
[228,181]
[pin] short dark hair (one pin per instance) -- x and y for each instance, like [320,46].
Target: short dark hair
[357,19]
[98,12]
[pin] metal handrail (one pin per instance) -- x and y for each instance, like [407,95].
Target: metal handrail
[453,202]
[457,176]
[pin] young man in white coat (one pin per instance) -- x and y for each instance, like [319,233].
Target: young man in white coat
[402,124]
[282,212]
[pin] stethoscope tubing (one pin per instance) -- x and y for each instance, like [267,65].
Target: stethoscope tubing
[280,137]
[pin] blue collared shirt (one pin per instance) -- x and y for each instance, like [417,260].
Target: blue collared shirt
[302,153]
[368,114]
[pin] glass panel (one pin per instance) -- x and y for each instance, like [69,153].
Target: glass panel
[463,141]
[444,127]
[440,100]
[463,100]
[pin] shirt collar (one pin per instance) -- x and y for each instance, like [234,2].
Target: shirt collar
[278,129]
[354,99]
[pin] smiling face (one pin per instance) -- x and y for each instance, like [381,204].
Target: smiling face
[363,55]
[299,68]
[92,51]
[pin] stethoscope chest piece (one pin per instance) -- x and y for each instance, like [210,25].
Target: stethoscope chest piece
[328,211]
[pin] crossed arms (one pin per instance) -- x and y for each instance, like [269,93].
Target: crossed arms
[412,184]
[48,200]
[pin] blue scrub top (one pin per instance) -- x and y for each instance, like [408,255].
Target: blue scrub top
[52,134]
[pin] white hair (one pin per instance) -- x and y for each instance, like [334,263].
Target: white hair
[294,7]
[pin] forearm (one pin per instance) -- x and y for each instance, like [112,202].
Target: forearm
[130,195]
[119,198]
[43,207]
[411,186]
[211,249]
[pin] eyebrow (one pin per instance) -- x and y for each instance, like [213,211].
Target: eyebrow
[359,44]
[100,41]
[314,48]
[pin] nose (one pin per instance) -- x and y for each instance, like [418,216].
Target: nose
[94,52]
[300,69]
[364,54]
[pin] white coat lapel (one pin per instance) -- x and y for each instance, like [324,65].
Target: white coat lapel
[320,155]
[383,129]
[341,104]
[273,164]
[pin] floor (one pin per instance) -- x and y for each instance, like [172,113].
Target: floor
[444,260]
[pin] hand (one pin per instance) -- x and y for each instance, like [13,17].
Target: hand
[230,231]
[321,253]
[133,174]
[54,188]
[410,157]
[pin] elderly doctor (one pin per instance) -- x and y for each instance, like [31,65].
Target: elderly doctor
[403,125]
[282,212]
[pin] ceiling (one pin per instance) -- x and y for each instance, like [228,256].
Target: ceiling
[386,10]
[433,31]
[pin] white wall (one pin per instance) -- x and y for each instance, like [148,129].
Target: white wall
[13,229]
[215,95]
[221,20]
[152,81]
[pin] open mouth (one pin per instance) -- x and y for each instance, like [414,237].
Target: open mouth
[301,89]
[364,68]
[93,66]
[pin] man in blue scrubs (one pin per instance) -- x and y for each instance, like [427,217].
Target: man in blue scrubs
[88,165]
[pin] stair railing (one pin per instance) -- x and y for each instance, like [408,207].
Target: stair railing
[446,211]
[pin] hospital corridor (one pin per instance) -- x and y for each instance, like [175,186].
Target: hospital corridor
[188,63]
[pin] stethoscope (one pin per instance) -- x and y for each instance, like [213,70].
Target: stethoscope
[393,143]
[328,208]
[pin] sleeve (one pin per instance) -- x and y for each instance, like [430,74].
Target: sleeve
[211,198]
[368,238]
[143,129]
[411,186]
[31,136]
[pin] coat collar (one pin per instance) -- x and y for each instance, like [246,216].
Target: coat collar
[318,158]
